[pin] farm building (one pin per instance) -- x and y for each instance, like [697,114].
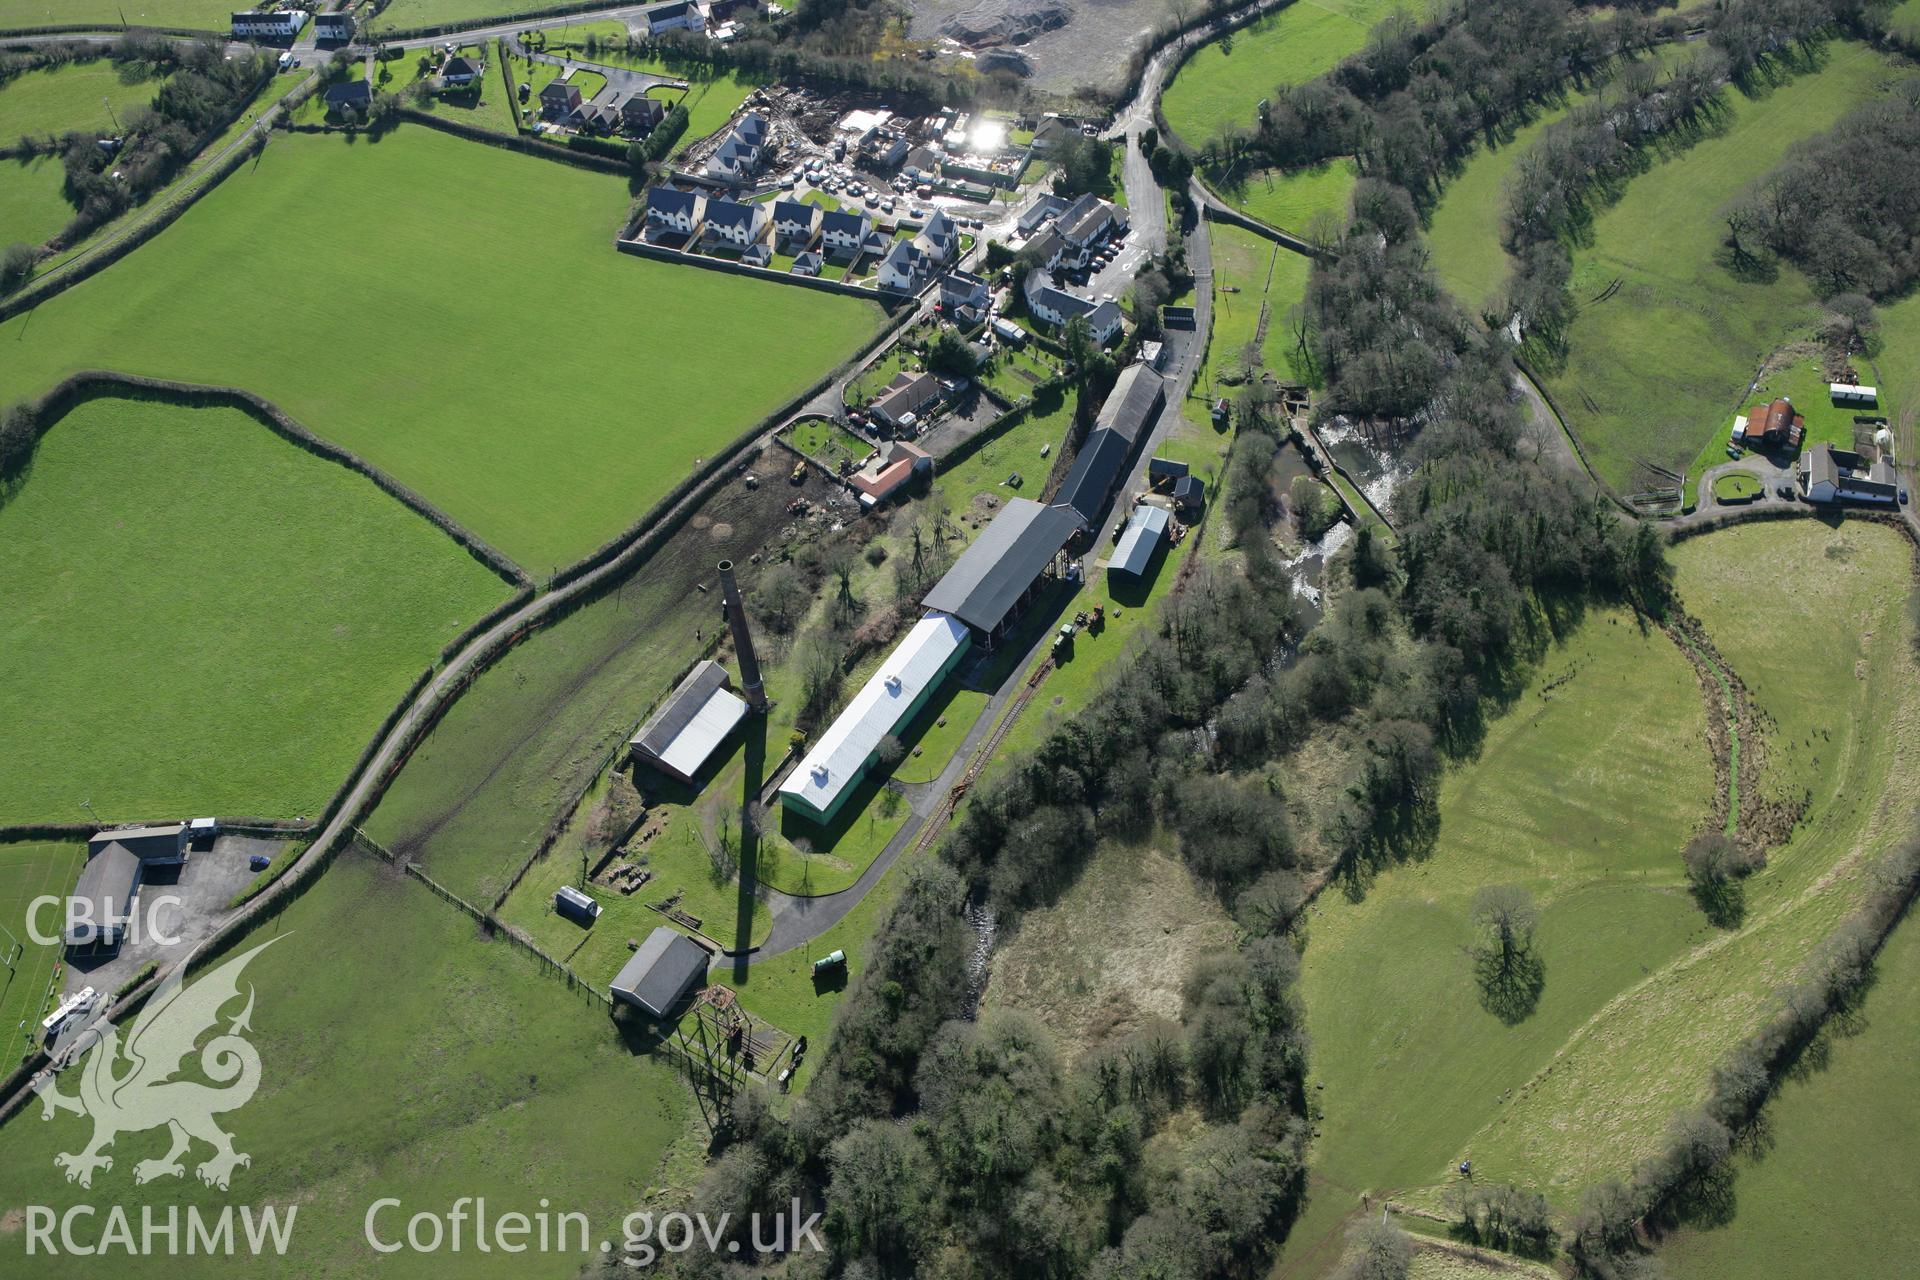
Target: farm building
[1130,407]
[683,733]
[1146,533]
[906,399]
[820,784]
[117,861]
[734,223]
[656,977]
[1162,473]
[575,905]
[1096,471]
[1189,496]
[1771,426]
[996,576]
[889,472]
[1849,393]
[1828,474]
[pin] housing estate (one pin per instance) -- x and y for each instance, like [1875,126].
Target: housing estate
[281,24]
[794,222]
[674,212]
[679,15]
[1057,306]
[738,154]
[642,114]
[844,234]
[333,28]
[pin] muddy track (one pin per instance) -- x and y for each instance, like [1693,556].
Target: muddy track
[1737,735]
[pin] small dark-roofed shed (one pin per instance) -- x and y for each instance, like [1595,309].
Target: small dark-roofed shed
[664,969]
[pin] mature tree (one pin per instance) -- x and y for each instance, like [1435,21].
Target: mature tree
[16,265]
[1506,914]
[882,1195]
[1377,1249]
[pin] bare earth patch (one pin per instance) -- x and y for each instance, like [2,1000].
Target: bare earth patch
[1111,954]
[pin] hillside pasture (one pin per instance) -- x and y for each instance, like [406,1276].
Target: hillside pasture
[546,439]
[1832,1193]
[85,96]
[243,610]
[29,872]
[1667,338]
[1297,199]
[1583,793]
[32,204]
[404,14]
[196,15]
[1219,88]
[402,1055]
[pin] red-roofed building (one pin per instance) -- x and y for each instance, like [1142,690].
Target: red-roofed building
[1772,426]
[880,479]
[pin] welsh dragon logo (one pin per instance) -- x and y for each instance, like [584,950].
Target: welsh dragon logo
[131,1087]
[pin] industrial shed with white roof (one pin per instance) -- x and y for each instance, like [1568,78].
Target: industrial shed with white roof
[827,775]
[1145,532]
[691,724]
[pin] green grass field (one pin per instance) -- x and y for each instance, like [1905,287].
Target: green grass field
[32,205]
[1834,1191]
[199,15]
[1736,486]
[1294,200]
[1584,792]
[77,95]
[1463,232]
[27,872]
[428,13]
[188,580]
[1658,367]
[1220,86]
[484,348]
[401,1055]
[1256,283]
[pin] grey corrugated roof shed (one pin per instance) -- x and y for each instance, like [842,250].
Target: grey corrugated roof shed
[1135,398]
[1009,555]
[659,973]
[107,884]
[1142,538]
[1096,469]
